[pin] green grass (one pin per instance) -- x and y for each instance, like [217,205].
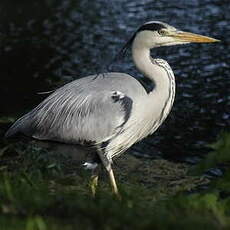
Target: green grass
[40,191]
[218,157]
[52,207]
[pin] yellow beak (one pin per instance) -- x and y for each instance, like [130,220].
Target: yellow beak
[191,37]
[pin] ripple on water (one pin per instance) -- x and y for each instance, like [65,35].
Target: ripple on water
[78,38]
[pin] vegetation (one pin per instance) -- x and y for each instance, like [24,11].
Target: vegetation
[40,191]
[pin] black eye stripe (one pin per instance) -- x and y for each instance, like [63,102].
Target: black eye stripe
[152,27]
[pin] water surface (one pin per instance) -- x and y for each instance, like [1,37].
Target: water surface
[46,43]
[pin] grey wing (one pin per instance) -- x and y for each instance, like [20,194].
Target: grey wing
[76,116]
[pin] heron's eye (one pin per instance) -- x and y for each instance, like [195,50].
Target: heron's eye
[163,32]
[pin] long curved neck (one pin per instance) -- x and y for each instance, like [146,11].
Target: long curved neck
[145,64]
[160,100]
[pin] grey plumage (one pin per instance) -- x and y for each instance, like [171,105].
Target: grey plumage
[76,114]
[112,111]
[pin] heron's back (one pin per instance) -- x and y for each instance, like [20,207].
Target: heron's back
[81,110]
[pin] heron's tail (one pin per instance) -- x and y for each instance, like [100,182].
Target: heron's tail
[22,125]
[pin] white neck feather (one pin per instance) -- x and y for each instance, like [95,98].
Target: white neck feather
[145,64]
[159,101]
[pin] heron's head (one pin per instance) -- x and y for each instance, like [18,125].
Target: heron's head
[155,34]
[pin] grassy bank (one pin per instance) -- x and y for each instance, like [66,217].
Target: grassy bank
[40,191]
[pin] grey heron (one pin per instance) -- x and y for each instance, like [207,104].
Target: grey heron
[111,111]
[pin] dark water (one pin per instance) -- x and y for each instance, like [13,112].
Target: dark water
[45,43]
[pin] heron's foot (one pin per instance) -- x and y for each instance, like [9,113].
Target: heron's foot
[93,184]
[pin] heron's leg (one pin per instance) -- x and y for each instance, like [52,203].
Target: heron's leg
[107,164]
[113,181]
[94,176]
[94,181]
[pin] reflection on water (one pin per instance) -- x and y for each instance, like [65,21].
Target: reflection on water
[45,42]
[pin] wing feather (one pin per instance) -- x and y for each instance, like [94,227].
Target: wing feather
[76,114]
